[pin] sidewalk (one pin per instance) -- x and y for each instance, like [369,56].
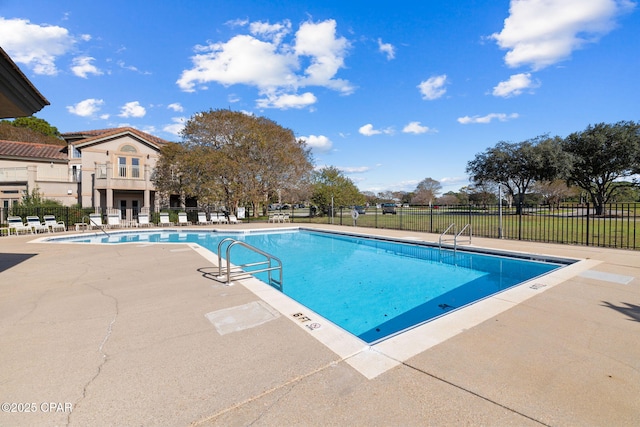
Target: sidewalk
[94,335]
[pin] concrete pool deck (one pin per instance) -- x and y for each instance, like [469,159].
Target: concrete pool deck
[140,334]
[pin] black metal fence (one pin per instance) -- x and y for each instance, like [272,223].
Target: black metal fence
[576,224]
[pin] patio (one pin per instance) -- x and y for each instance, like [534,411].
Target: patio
[119,335]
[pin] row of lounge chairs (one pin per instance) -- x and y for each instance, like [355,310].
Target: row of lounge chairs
[113,220]
[214,218]
[279,217]
[34,225]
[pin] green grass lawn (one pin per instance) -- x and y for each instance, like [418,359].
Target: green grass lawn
[567,226]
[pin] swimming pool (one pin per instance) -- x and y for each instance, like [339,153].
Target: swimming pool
[372,288]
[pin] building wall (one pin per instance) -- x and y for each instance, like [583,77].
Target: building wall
[52,181]
[77,182]
[97,158]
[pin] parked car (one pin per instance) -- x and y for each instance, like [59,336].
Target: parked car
[388,208]
[360,209]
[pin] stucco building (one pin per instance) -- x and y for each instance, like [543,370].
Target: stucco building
[102,169]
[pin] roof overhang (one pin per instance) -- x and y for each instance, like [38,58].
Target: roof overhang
[18,96]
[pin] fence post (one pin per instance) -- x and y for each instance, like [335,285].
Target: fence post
[587,224]
[430,219]
[520,220]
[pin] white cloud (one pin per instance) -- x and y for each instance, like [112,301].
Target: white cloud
[86,108]
[516,84]
[286,101]
[132,109]
[488,118]
[176,106]
[387,49]
[176,127]
[318,143]
[433,87]
[36,46]
[540,33]
[416,128]
[354,169]
[368,130]
[82,67]
[273,32]
[263,60]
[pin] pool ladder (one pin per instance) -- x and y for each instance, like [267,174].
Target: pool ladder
[455,235]
[271,262]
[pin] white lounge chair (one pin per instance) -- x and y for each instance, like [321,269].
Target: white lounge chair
[164,219]
[274,217]
[233,219]
[113,220]
[216,218]
[15,223]
[182,219]
[143,220]
[95,220]
[35,224]
[202,219]
[52,224]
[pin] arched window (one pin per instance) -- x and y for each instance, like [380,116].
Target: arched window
[128,149]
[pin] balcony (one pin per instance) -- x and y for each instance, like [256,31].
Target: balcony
[122,177]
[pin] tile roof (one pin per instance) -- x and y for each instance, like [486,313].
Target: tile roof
[85,135]
[32,150]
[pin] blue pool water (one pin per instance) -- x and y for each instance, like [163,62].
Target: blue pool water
[369,287]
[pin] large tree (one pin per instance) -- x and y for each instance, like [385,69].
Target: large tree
[426,191]
[331,185]
[603,154]
[236,158]
[518,165]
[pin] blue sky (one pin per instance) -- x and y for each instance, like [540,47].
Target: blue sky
[388,92]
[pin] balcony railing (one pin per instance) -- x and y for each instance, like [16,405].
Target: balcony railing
[119,172]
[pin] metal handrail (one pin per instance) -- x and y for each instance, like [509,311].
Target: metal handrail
[456,235]
[269,258]
[462,231]
[94,223]
[441,239]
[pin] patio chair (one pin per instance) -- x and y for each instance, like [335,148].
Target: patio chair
[15,223]
[143,220]
[52,224]
[164,219]
[274,217]
[217,218]
[202,219]
[233,219]
[95,220]
[35,224]
[182,219]
[113,220]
